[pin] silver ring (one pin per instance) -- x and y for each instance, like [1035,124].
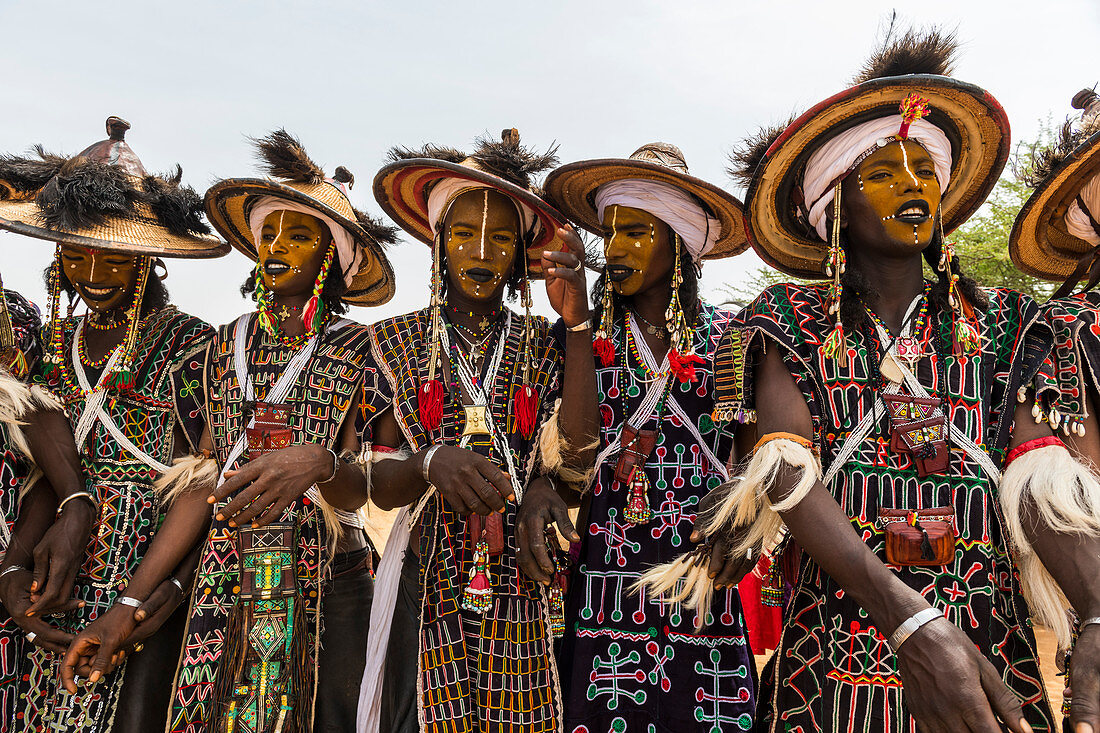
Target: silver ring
[31,636]
[748,554]
[579,267]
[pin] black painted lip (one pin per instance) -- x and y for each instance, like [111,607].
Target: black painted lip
[84,293]
[269,263]
[910,219]
[480,274]
[618,273]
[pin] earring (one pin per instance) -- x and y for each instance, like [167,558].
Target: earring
[835,344]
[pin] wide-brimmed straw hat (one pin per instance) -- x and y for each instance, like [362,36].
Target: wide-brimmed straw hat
[297,179]
[572,189]
[1040,243]
[104,198]
[402,187]
[973,122]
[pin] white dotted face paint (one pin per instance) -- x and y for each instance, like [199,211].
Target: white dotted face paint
[905,165]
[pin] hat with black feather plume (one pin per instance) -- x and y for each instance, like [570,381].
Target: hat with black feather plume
[404,187]
[103,197]
[296,178]
[1056,235]
[914,62]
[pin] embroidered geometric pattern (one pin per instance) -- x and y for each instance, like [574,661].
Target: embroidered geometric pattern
[491,672]
[636,662]
[129,509]
[853,682]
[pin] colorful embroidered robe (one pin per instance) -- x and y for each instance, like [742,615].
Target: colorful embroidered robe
[129,509]
[1074,364]
[496,672]
[635,663]
[14,470]
[339,371]
[833,669]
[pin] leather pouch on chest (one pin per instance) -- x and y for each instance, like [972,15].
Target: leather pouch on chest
[268,569]
[491,527]
[637,445]
[922,537]
[271,431]
[918,428]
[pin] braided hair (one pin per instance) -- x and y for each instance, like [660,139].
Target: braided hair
[332,292]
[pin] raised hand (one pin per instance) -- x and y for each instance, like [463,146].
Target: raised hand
[565,282]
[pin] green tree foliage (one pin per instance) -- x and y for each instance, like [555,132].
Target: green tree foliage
[981,243]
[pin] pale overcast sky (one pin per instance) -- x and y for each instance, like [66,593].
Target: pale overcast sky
[352,79]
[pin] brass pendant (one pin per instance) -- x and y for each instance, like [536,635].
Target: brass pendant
[476,424]
[891,369]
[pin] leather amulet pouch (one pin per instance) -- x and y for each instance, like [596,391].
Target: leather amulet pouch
[907,409]
[926,444]
[637,445]
[922,537]
[271,431]
[493,528]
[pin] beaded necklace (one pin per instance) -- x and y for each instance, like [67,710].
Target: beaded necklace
[639,373]
[87,361]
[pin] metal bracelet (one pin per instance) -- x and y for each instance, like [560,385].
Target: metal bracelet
[178,584]
[910,625]
[427,461]
[580,326]
[76,495]
[335,466]
[11,569]
[129,601]
[1091,621]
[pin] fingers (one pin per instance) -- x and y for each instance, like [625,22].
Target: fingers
[81,647]
[59,586]
[474,502]
[240,503]
[1002,701]
[525,557]
[560,513]
[47,636]
[540,551]
[572,240]
[154,602]
[487,493]
[499,479]
[40,569]
[272,513]
[236,480]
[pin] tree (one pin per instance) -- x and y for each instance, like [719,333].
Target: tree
[981,243]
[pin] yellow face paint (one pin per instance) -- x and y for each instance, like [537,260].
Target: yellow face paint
[291,249]
[898,182]
[481,239]
[636,249]
[104,280]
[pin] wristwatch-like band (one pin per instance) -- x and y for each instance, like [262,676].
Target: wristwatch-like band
[428,462]
[910,625]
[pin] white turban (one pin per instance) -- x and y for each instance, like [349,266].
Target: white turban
[836,159]
[672,205]
[446,190]
[1078,222]
[350,255]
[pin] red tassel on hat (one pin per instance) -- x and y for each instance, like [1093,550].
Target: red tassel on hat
[682,366]
[525,402]
[604,350]
[429,404]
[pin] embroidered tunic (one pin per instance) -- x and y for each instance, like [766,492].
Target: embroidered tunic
[1074,364]
[833,669]
[129,509]
[338,371]
[634,663]
[491,672]
[14,468]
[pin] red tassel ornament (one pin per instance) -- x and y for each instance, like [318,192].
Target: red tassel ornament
[309,313]
[525,404]
[429,404]
[682,366]
[478,595]
[604,349]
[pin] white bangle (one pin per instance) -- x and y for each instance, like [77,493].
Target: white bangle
[16,568]
[335,466]
[910,625]
[427,461]
[1091,621]
[580,326]
[129,601]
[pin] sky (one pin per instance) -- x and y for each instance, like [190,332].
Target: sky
[353,78]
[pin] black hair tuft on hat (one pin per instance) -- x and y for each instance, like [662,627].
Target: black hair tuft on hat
[510,160]
[26,174]
[1046,161]
[85,193]
[916,51]
[747,154]
[178,208]
[380,232]
[434,152]
[282,156]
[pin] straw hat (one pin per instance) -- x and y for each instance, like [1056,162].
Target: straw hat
[104,198]
[774,163]
[402,187]
[1040,244]
[572,188]
[297,179]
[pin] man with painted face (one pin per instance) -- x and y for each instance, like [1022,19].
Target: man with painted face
[1056,237]
[109,371]
[886,410]
[284,394]
[635,664]
[474,425]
